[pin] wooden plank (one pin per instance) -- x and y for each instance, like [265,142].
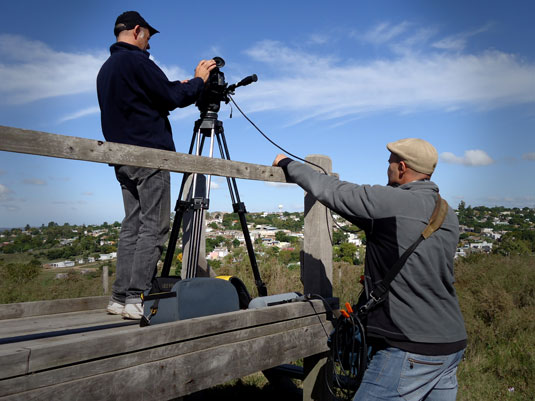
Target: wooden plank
[184,374]
[317,268]
[58,351]
[317,277]
[26,309]
[17,360]
[58,322]
[69,147]
[77,371]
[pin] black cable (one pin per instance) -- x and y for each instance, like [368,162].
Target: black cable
[284,150]
[347,340]
[272,142]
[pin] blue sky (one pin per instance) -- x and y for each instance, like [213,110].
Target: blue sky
[336,78]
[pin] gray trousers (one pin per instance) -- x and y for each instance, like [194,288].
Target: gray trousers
[146,197]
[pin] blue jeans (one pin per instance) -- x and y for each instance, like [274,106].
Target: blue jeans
[394,374]
[147,199]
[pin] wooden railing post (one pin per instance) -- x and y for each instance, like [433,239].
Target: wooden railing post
[105,279]
[317,258]
[316,275]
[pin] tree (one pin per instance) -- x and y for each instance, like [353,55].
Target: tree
[282,236]
[511,246]
[346,252]
[339,237]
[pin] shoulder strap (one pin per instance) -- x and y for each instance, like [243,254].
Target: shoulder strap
[437,218]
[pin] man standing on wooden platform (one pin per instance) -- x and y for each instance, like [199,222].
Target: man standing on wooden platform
[135,98]
[416,329]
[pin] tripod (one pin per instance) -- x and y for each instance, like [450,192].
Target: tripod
[207,125]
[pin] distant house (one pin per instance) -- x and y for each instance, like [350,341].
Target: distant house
[108,256]
[481,246]
[465,229]
[217,253]
[354,239]
[460,253]
[65,263]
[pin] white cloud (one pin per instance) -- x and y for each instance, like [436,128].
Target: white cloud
[31,70]
[4,193]
[317,39]
[34,181]
[173,73]
[507,201]
[529,156]
[81,113]
[214,185]
[385,32]
[471,158]
[458,42]
[280,184]
[11,208]
[314,86]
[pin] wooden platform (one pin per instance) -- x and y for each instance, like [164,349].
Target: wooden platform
[53,356]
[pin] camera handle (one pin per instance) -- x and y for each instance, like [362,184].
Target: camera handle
[207,126]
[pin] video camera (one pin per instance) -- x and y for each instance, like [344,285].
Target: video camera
[216,89]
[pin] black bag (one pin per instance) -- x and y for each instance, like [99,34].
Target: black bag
[189,298]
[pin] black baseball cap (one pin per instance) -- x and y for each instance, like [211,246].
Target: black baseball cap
[128,20]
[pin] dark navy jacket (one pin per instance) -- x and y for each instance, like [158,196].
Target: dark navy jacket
[135,98]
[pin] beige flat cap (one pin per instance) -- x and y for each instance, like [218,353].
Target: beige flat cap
[418,154]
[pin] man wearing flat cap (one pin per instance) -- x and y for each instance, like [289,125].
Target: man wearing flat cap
[135,98]
[416,331]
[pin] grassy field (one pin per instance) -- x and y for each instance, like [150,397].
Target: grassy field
[497,297]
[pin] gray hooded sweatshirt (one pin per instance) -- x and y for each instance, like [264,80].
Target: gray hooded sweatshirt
[422,307]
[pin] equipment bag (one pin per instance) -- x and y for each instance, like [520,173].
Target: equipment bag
[193,297]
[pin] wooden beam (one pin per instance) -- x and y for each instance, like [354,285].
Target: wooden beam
[317,269]
[27,309]
[57,322]
[59,351]
[127,360]
[317,278]
[69,147]
[179,375]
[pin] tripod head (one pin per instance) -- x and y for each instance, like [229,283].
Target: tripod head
[216,89]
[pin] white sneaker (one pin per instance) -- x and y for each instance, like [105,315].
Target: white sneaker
[115,308]
[133,311]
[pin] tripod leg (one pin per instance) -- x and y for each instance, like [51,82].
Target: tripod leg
[180,208]
[196,239]
[194,259]
[239,207]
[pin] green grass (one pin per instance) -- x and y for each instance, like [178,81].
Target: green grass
[497,297]
[45,286]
